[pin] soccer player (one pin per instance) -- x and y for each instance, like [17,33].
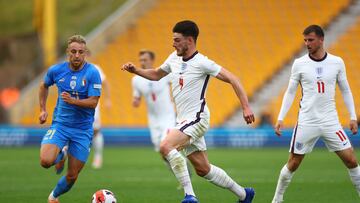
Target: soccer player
[79,89]
[190,76]
[161,112]
[317,73]
[98,140]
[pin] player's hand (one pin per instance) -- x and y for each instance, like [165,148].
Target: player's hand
[130,67]
[66,97]
[43,116]
[354,127]
[248,115]
[279,125]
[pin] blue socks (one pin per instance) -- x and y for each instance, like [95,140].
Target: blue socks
[62,187]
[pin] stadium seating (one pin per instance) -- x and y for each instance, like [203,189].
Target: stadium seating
[350,52]
[253,39]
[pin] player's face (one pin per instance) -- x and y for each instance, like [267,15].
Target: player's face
[77,54]
[313,42]
[145,61]
[180,43]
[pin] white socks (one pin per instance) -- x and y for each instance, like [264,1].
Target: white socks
[283,182]
[98,145]
[355,178]
[178,166]
[219,177]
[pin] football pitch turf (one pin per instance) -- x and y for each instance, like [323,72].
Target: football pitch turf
[137,175]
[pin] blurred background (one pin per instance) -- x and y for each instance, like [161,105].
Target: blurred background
[257,40]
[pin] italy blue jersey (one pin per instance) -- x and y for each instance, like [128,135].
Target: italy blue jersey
[81,85]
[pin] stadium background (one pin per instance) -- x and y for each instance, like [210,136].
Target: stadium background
[256,40]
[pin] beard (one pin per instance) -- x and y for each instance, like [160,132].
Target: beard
[181,52]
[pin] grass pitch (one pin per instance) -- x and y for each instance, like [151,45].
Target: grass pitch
[137,175]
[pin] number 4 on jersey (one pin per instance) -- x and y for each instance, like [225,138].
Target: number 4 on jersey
[321,86]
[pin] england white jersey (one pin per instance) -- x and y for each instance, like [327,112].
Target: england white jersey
[189,82]
[157,95]
[318,79]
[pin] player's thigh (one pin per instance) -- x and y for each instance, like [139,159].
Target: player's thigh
[53,141]
[348,157]
[335,138]
[74,167]
[175,139]
[80,144]
[200,161]
[304,139]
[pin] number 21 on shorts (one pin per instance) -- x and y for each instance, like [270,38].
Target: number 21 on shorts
[49,134]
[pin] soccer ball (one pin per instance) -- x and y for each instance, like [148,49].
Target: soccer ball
[103,196]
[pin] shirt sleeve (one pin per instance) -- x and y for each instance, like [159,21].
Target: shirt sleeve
[290,93]
[211,68]
[346,91]
[166,65]
[95,84]
[49,77]
[136,91]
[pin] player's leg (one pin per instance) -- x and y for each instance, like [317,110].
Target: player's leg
[337,141]
[66,182]
[169,147]
[218,176]
[98,145]
[302,142]
[52,149]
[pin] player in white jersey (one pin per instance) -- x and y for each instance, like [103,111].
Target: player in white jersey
[317,73]
[190,76]
[98,140]
[161,112]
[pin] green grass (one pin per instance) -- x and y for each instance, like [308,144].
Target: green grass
[138,175]
[73,16]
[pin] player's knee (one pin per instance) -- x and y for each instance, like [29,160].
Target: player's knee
[202,171]
[46,163]
[293,164]
[351,162]
[165,148]
[71,177]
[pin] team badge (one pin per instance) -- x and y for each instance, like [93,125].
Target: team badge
[73,84]
[299,145]
[183,67]
[83,82]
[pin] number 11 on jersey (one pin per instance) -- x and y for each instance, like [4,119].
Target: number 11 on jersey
[321,86]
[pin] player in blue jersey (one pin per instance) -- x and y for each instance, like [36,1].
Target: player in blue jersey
[70,135]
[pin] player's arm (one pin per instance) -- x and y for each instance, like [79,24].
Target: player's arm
[150,74]
[348,99]
[43,94]
[228,77]
[90,102]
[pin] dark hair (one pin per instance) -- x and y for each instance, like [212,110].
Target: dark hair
[187,28]
[145,51]
[314,28]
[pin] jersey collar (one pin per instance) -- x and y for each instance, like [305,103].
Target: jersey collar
[318,60]
[192,56]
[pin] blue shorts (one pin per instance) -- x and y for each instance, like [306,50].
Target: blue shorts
[78,140]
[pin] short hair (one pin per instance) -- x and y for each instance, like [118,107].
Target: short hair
[187,28]
[145,51]
[316,29]
[77,38]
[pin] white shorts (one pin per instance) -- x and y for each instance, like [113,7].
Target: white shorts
[305,137]
[97,120]
[196,129]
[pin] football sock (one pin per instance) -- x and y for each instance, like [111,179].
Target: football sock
[62,187]
[98,146]
[355,177]
[179,168]
[219,177]
[283,182]
[59,157]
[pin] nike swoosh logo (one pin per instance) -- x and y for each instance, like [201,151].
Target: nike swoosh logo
[345,143]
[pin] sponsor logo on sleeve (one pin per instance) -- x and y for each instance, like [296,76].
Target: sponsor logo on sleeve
[97,86]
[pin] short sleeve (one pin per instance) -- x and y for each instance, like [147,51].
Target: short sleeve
[166,65]
[136,91]
[211,68]
[94,84]
[49,77]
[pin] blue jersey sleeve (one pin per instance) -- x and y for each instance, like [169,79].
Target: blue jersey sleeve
[95,84]
[49,77]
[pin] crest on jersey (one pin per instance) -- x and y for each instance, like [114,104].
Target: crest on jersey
[319,71]
[299,145]
[183,67]
[73,84]
[83,82]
